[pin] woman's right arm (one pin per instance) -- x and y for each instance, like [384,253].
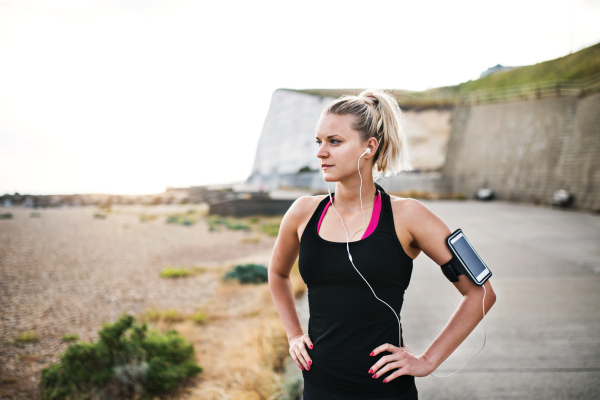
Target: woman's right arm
[285,253]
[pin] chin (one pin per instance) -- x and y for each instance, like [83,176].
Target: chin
[330,178]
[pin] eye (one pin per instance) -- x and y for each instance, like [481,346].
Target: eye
[332,140]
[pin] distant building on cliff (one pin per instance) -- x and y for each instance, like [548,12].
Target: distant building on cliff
[495,69]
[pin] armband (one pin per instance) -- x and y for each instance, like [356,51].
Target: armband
[453,268]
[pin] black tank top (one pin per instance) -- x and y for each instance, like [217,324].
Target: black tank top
[346,321]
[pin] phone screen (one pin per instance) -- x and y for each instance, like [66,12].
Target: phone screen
[469,257]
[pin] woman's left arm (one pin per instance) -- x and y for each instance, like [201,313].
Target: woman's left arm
[429,233]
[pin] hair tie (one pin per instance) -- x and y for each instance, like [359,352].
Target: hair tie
[374,99]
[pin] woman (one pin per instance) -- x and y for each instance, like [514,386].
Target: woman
[352,349]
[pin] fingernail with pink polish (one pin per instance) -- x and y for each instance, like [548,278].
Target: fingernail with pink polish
[372,353]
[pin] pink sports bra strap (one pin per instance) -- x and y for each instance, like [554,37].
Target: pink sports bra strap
[374,216]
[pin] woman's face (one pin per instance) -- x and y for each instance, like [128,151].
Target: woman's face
[340,147]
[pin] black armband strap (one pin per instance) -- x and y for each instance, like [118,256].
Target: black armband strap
[453,268]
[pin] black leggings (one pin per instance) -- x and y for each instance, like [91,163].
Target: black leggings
[312,392]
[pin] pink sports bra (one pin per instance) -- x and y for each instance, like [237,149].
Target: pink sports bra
[374,216]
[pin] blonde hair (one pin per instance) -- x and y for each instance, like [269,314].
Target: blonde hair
[377,114]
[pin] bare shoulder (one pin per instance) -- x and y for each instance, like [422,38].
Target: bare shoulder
[416,223]
[413,212]
[300,212]
[408,209]
[304,205]
[425,228]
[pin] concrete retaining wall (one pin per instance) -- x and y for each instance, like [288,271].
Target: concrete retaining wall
[526,150]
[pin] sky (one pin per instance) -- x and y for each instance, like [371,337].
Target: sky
[133,96]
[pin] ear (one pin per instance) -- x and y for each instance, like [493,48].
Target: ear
[373,145]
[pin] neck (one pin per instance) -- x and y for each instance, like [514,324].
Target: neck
[347,194]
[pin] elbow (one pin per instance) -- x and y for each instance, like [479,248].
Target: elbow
[273,276]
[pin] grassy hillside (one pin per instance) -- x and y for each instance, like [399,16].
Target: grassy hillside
[579,65]
[576,66]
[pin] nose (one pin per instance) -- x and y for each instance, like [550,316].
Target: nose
[321,152]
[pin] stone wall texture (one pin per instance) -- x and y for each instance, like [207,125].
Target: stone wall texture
[526,150]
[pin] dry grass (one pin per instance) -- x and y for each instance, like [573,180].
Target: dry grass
[148,217]
[243,348]
[298,285]
[66,273]
[251,239]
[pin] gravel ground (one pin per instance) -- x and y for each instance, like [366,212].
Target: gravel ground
[68,272]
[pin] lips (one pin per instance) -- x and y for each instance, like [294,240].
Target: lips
[325,166]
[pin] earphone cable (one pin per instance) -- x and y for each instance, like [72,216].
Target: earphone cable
[374,294]
[350,255]
[484,338]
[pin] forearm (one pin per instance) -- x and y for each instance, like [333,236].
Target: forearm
[283,297]
[466,317]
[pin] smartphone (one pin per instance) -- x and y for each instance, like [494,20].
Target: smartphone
[468,257]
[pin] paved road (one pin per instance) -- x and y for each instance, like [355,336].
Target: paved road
[543,333]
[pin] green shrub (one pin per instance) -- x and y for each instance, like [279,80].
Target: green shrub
[100,216]
[215,219]
[181,272]
[248,273]
[70,337]
[230,223]
[6,216]
[271,229]
[306,168]
[27,337]
[236,225]
[172,272]
[199,318]
[180,219]
[127,361]
[214,222]
[35,215]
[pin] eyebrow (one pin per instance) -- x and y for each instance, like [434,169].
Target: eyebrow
[330,136]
